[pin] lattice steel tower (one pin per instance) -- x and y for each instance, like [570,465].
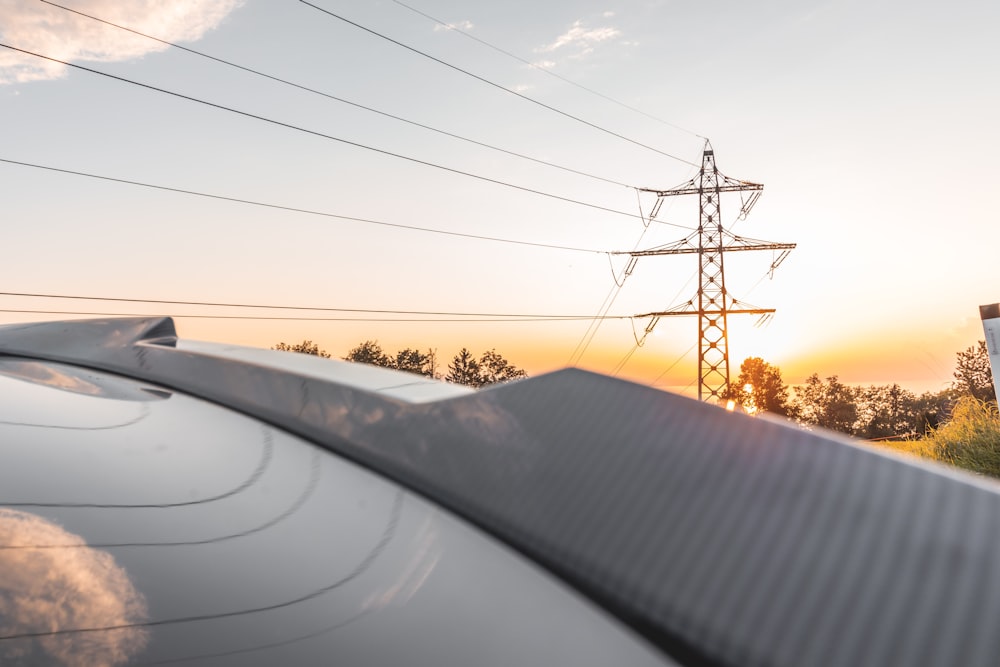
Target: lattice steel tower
[710,242]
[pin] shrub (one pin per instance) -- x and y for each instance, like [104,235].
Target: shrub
[970,439]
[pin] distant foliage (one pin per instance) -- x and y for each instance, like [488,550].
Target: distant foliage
[969,439]
[759,388]
[959,426]
[369,352]
[465,368]
[885,411]
[305,347]
[408,359]
[494,369]
[414,361]
[826,403]
[872,412]
[490,368]
[973,375]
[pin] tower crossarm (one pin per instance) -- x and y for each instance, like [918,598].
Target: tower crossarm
[693,187]
[728,311]
[688,250]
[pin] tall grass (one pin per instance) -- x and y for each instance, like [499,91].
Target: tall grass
[970,438]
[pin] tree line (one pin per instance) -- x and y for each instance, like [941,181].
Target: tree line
[465,368]
[871,412]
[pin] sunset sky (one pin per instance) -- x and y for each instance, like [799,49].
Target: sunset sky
[872,125]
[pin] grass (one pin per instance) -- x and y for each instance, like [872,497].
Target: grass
[970,439]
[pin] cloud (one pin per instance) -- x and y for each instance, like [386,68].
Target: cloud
[63,589]
[33,26]
[461,25]
[581,38]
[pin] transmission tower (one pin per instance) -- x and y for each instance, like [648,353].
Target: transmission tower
[710,242]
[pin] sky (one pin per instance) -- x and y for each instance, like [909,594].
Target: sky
[871,125]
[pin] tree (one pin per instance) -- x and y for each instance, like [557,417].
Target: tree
[973,374]
[493,369]
[305,347]
[490,368]
[886,411]
[464,369]
[415,361]
[932,409]
[369,352]
[760,388]
[827,404]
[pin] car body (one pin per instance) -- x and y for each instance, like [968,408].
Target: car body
[173,502]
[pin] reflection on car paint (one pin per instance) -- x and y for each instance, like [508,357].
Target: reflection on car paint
[306,492]
[253,547]
[266,454]
[42,592]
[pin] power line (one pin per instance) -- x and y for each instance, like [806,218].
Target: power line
[367,221]
[435,320]
[316,133]
[671,366]
[339,99]
[621,364]
[588,337]
[326,309]
[545,70]
[609,300]
[497,85]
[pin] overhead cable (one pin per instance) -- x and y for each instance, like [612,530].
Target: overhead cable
[588,337]
[367,221]
[429,320]
[498,86]
[348,142]
[671,367]
[340,99]
[538,67]
[324,309]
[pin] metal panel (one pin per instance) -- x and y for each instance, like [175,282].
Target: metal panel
[726,540]
[140,526]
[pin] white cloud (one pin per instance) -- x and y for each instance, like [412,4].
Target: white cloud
[43,590]
[33,26]
[461,25]
[580,37]
[579,41]
[545,64]
[608,15]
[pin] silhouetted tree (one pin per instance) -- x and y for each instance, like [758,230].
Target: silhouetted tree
[973,374]
[932,410]
[827,404]
[415,361]
[464,369]
[759,387]
[886,411]
[490,368]
[369,352]
[493,369]
[305,347]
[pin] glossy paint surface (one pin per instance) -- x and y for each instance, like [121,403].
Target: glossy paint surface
[141,526]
